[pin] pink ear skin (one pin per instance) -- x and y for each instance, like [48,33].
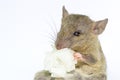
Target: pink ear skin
[78,56]
[99,26]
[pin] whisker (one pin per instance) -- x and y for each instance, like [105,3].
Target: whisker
[50,37]
[51,42]
[51,27]
[55,27]
[53,30]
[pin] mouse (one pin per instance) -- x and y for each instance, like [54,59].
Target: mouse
[80,33]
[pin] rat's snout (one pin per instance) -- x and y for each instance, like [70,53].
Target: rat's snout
[60,45]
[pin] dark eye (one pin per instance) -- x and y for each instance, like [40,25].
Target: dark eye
[76,33]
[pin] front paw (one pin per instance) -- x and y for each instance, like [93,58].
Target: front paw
[41,78]
[43,75]
[57,79]
[73,76]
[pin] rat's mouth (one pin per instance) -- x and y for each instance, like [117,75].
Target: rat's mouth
[61,45]
[58,47]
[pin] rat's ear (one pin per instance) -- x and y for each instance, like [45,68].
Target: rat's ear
[99,26]
[65,12]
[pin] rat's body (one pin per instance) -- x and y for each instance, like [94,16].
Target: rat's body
[80,33]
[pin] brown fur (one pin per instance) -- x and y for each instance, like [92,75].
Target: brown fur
[94,65]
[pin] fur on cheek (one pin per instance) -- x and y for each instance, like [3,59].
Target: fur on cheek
[60,62]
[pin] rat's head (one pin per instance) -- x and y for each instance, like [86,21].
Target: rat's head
[78,31]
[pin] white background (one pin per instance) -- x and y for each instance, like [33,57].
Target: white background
[26,27]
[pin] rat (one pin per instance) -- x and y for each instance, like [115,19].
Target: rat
[80,33]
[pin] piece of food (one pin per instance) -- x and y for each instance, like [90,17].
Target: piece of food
[59,62]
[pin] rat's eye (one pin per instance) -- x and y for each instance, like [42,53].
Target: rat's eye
[76,33]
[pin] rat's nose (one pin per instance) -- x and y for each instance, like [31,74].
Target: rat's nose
[60,45]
